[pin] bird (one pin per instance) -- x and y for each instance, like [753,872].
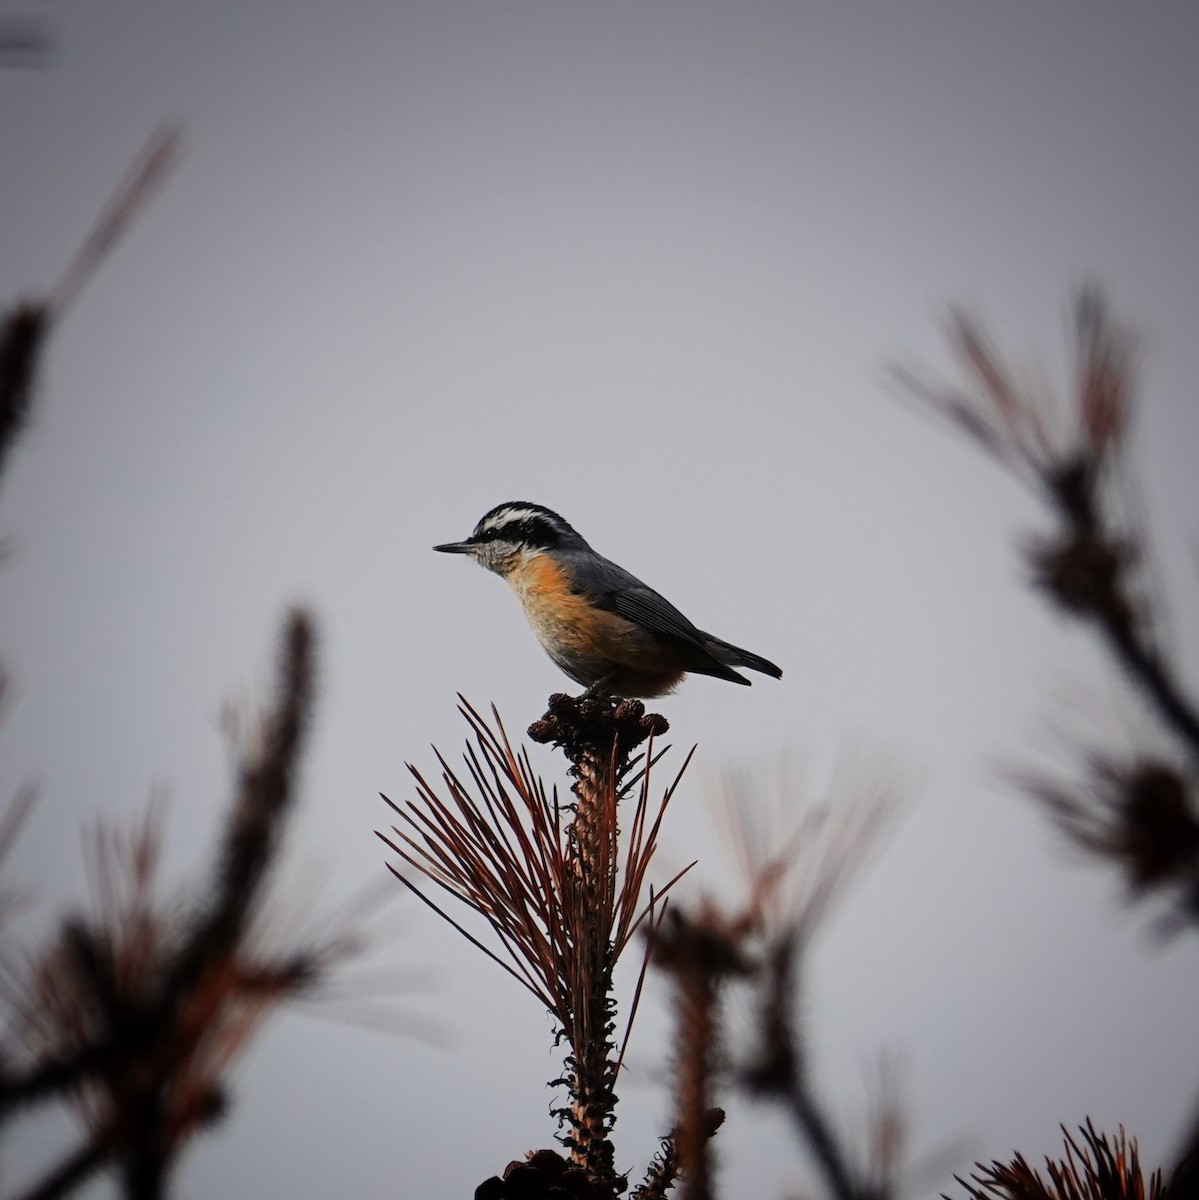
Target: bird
[600,624]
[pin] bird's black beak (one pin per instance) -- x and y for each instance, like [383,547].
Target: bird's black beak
[456,548]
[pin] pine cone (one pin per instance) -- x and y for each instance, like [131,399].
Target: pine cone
[544,1175]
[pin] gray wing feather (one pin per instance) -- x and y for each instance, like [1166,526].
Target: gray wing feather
[614,588]
[646,608]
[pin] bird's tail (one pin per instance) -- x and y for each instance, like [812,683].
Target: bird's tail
[734,656]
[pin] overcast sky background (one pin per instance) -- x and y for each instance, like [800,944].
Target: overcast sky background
[644,263]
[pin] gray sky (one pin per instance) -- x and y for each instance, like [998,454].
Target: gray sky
[644,263]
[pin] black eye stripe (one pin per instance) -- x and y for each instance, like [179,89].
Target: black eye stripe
[532,530]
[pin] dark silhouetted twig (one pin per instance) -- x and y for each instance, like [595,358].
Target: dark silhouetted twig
[70,1174]
[22,337]
[665,1168]
[150,169]
[26,326]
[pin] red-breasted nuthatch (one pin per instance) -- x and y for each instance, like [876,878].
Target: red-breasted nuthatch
[604,627]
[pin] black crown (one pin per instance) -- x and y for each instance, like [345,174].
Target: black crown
[524,522]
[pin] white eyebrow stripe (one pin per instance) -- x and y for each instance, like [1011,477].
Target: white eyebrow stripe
[511,516]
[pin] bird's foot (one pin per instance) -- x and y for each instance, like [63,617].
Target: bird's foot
[601,689]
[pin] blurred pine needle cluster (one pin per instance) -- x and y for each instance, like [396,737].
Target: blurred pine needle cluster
[1105,1168]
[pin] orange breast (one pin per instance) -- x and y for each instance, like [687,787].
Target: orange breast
[569,626]
[589,643]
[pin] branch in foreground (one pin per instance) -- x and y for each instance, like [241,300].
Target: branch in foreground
[139,1008]
[795,867]
[1071,461]
[26,326]
[560,897]
[1142,814]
